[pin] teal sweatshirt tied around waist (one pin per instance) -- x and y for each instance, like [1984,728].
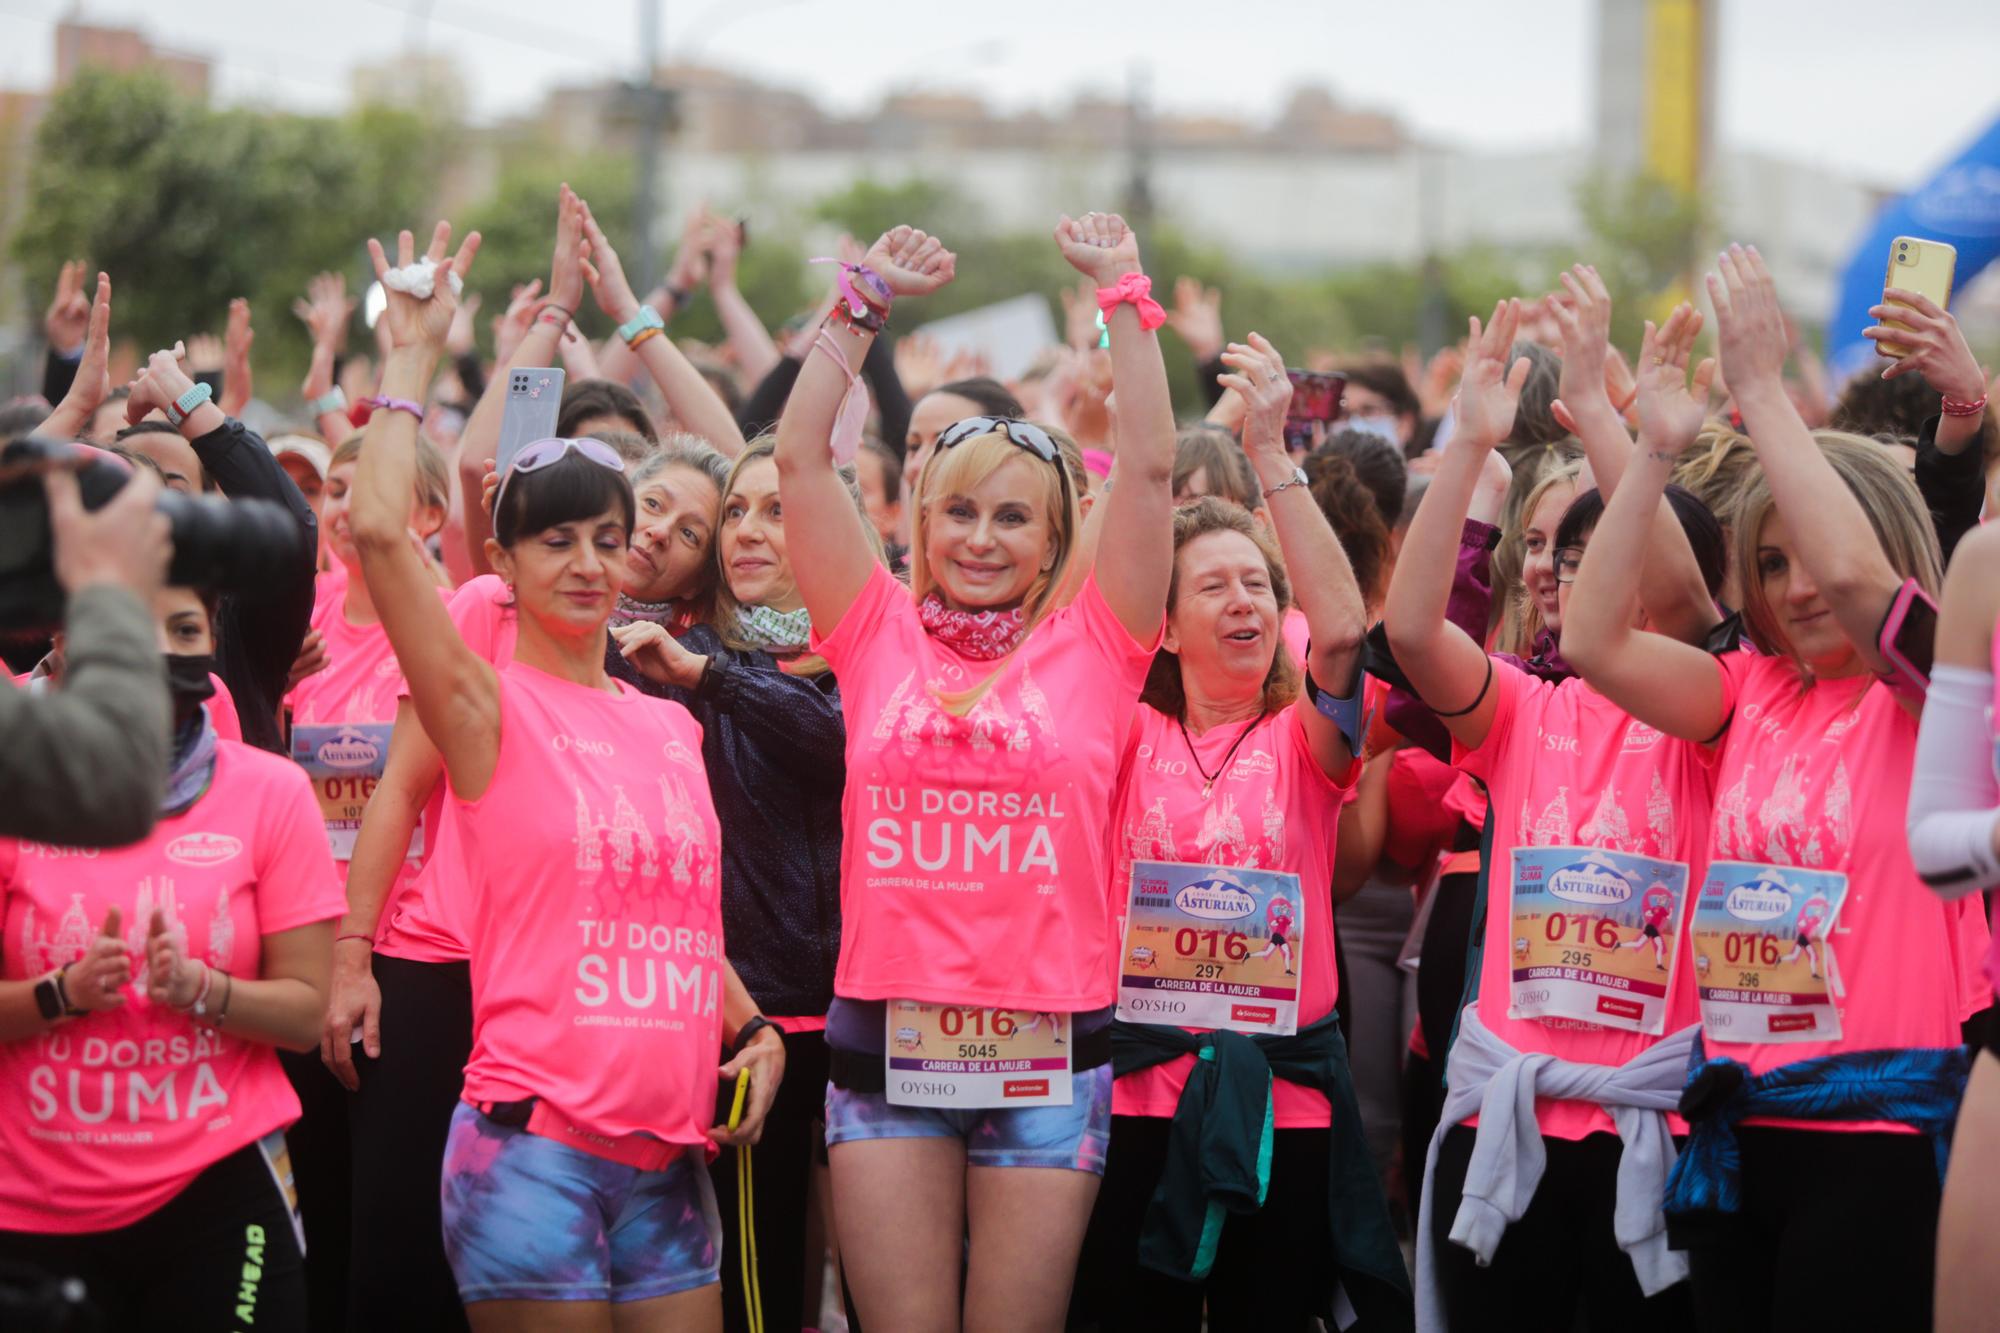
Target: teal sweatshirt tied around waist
[1219,1157]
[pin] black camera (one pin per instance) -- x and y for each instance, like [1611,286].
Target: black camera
[220,544]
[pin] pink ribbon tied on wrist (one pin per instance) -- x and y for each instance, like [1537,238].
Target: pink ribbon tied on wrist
[1136,289]
[852,416]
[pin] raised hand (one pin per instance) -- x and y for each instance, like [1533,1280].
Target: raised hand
[723,239]
[1258,376]
[566,269]
[1196,315]
[92,384]
[237,337]
[1582,314]
[97,981]
[1099,245]
[1750,324]
[690,267]
[911,262]
[1081,331]
[1489,392]
[326,310]
[67,320]
[171,979]
[511,326]
[464,335]
[1933,345]
[204,354]
[411,321]
[604,273]
[1671,411]
[163,381]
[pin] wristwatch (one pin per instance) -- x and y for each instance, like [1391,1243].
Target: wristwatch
[52,998]
[1298,478]
[178,410]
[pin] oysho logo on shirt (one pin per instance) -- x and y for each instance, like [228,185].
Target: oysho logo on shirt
[582,745]
[203,849]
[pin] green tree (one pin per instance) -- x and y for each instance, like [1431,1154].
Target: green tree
[1644,235]
[187,207]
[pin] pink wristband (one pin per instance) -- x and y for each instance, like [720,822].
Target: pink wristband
[1137,289]
[396,405]
[1962,407]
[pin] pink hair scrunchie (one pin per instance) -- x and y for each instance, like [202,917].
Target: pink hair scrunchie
[1137,289]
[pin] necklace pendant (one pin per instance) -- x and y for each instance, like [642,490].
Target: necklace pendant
[1206,788]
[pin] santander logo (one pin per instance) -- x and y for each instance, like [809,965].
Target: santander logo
[203,849]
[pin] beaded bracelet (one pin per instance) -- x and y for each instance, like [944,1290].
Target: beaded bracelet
[1959,407]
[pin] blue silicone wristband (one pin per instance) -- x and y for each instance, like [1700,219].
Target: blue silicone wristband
[647,318]
[178,410]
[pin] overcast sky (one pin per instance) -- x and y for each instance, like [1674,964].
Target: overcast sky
[1880,91]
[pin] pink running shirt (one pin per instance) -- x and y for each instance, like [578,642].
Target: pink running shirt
[1564,766]
[978,847]
[106,1118]
[418,921]
[593,912]
[1801,782]
[1275,809]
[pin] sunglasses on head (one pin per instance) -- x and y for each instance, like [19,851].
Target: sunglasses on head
[545,453]
[1021,434]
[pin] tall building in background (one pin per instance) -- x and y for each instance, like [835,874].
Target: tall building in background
[1656,88]
[124,51]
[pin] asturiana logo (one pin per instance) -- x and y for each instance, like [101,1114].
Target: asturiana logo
[1215,900]
[203,849]
[1759,900]
[1590,882]
[349,749]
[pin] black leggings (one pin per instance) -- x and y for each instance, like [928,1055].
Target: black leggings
[397,1276]
[1561,1253]
[221,1254]
[783,1164]
[323,1173]
[1836,1231]
[1270,1269]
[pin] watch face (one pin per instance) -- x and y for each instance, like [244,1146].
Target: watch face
[46,999]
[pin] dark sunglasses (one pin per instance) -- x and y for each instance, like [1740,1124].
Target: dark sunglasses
[1021,434]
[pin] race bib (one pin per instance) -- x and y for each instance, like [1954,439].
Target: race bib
[1212,947]
[953,1056]
[1763,953]
[345,762]
[1595,936]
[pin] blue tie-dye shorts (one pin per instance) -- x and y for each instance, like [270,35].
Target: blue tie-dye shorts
[1071,1137]
[530,1219]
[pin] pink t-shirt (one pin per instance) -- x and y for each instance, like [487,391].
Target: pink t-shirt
[593,911]
[1296,633]
[1274,809]
[418,921]
[1805,780]
[222,711]
[1566,767]
[106,1118]
[349,711]
[978,846]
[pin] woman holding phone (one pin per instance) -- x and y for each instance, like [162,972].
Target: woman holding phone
[575,1167]
[983,728]
[1814,1099]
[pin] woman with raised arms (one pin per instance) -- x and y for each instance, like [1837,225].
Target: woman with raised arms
[984,727]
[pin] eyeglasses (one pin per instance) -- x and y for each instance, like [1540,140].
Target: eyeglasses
[1024,435]
[546,453]
[1569,561]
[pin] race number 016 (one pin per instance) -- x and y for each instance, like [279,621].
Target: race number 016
[1188,943]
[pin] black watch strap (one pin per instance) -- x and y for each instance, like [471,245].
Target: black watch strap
[52,998]
[746,1033]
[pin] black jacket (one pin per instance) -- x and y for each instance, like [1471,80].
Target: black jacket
[259,629]
[775,747]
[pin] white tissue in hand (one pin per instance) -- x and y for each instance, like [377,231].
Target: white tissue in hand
[420,279]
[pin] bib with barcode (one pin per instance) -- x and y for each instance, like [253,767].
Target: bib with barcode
[1212,947]
[1763,952]
[345,762]
[1595,934]
[953,1056]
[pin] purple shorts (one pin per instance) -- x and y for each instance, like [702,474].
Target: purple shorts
[1069,1137]
[530,1219]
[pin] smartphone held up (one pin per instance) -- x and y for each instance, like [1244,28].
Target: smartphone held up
[1920,266]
